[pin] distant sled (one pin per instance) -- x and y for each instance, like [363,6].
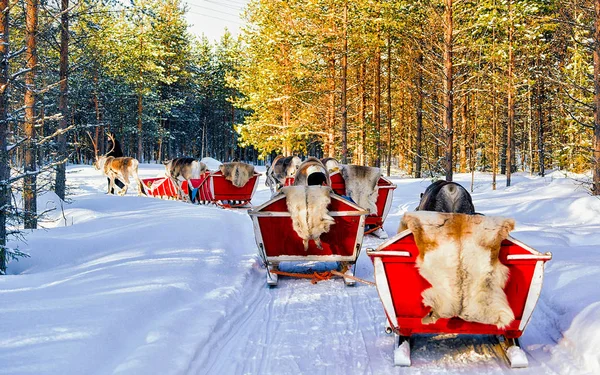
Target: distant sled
[215,188]
[211,187]
[400,285]
[278,242]
[385,197]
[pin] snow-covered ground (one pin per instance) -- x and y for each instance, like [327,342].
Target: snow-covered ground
[136,285]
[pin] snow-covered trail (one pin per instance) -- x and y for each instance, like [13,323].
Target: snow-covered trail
[329,328]
[141,286]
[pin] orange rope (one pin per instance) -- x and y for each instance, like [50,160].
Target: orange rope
[315,276]
[337,273]
[373,229]
[322,276]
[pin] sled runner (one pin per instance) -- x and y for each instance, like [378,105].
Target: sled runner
[214,188]
[278,242]
[400,287]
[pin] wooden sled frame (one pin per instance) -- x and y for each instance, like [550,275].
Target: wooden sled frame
[399,286]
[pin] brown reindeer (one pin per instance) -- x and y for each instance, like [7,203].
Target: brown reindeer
[117,167]
[184,169]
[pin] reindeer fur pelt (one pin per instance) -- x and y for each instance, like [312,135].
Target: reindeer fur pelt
[237,172]
[458,256]
[308,208]
[361,185]
[311,172]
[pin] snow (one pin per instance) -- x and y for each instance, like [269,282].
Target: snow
[211,164]
[402,354]
[137,285]
[517,357]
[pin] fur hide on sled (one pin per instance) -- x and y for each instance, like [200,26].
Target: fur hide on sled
[308,207]
[238,173]
[458,256]
[312,172]
[361,185]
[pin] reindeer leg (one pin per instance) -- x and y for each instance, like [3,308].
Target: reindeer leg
[190,191]
[136,178]
[126,183]
[111,184]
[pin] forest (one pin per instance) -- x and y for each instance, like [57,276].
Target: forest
[422,88]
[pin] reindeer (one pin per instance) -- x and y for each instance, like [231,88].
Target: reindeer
[281,168]
[180,169]
[113,167]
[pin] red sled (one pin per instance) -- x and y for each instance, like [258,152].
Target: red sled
[278,242]
[214,188]
[384,199]
[400,285]
[163,187]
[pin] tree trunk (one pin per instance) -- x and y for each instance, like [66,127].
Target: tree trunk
[510,144]
[494,111]
[596,158]
[63,105]
[99,128]
[448,91]
[140,110]
[4,168]
[389,103]
[362,113]
[377,103]
[540,112]
[419,140]
[462,155]
[330,146]
[344,105]
[29,183]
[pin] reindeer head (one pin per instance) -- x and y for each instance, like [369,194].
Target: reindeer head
[294,166]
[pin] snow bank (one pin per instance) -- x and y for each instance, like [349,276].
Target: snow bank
[116,288]
[212,164]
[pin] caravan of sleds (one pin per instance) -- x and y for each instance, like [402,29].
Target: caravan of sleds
[188,179]
[448,270]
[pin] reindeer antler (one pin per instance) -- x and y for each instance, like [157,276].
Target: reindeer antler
[93,144]
[114,143]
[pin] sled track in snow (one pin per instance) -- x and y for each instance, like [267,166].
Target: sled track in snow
[329,328]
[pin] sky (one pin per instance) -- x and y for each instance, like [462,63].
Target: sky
[211,17]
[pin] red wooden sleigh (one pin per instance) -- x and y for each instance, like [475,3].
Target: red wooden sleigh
[220,191]
[400,285]
[384,199]
[278,242]
[211,187]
